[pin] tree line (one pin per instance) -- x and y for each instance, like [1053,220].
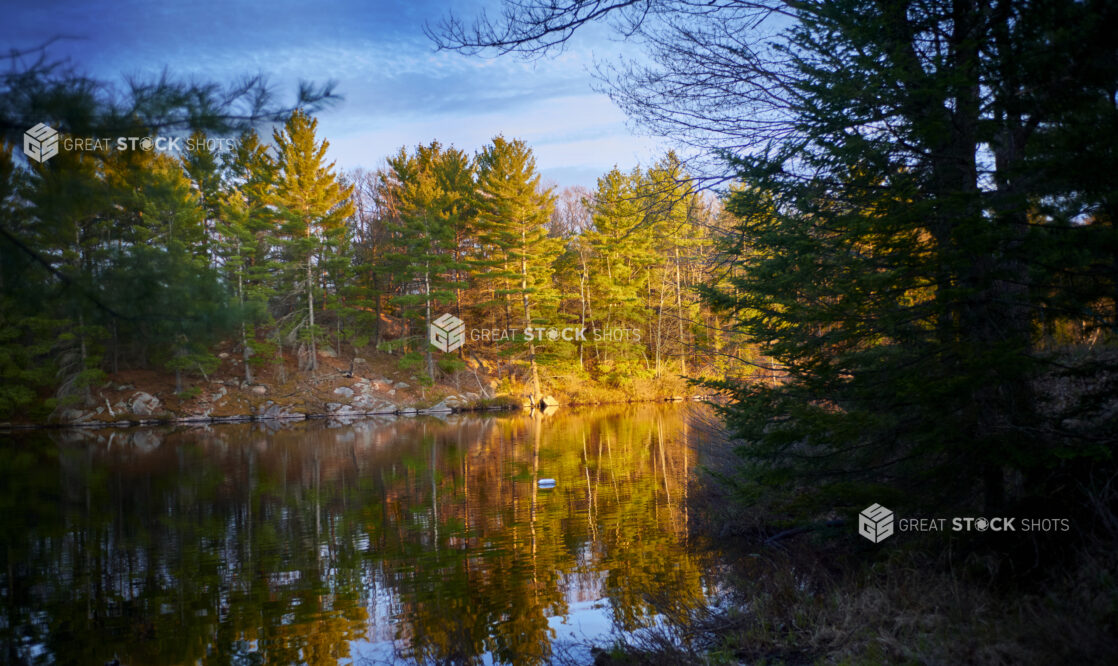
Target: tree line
[119,259]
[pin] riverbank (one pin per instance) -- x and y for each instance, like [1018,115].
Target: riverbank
[360,386]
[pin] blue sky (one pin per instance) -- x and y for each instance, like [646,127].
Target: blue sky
[398,91]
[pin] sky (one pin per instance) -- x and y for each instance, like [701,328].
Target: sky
[398,90]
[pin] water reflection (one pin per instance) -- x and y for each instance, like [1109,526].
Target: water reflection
[424,539]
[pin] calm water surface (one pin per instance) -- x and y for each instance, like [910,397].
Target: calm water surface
[422,539]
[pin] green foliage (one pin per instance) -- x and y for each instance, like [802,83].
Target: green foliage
[26,368]
[312,206]
[449,364]
[148,260]
[896,288]
[190,393]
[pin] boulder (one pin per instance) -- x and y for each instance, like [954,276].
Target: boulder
[75,416]
[339,409]
[260,390]
[144,404]
[344,391]
[371,405]
[548,401]
[441,406]
[271,411]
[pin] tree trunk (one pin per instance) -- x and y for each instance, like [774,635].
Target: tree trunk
[427,303]
[679,311]
[528,316]
[312,363]
[246,351]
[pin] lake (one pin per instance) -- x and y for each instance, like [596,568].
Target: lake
[423,539]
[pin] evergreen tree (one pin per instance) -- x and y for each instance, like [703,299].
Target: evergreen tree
[923,183]
[894,281]
[513,214]
[312,206]
[430,190]
[621,244]
[203,167]
[246,241]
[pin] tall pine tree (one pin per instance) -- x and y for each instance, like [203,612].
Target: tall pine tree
[312,206]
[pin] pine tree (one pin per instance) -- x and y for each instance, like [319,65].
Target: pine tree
[513,214]
[312,206]
[430,190]
[621,244]
[203,167]
[246,242]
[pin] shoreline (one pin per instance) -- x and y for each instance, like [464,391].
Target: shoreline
[283,415]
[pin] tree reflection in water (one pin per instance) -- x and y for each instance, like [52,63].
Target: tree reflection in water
[427,539]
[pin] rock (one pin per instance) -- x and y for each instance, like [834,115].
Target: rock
[357,360]
[327,352]
[340,409]
[455,401]
[223,355]
[401,385]
[204,417]
[144,404]
[408,411]
[548,401]
[441,406]
[75,416]
[260,390]
[392,392]
[371,405]
[344,391]
[271,411]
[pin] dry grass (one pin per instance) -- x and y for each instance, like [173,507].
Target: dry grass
[901,611]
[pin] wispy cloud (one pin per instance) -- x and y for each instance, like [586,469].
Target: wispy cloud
[397,89]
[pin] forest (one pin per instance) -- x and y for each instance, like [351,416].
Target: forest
[130,258]
[888,243]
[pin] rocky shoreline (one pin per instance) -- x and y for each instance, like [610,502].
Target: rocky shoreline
[231,401]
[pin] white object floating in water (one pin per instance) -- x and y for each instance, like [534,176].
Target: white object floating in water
[547,483]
